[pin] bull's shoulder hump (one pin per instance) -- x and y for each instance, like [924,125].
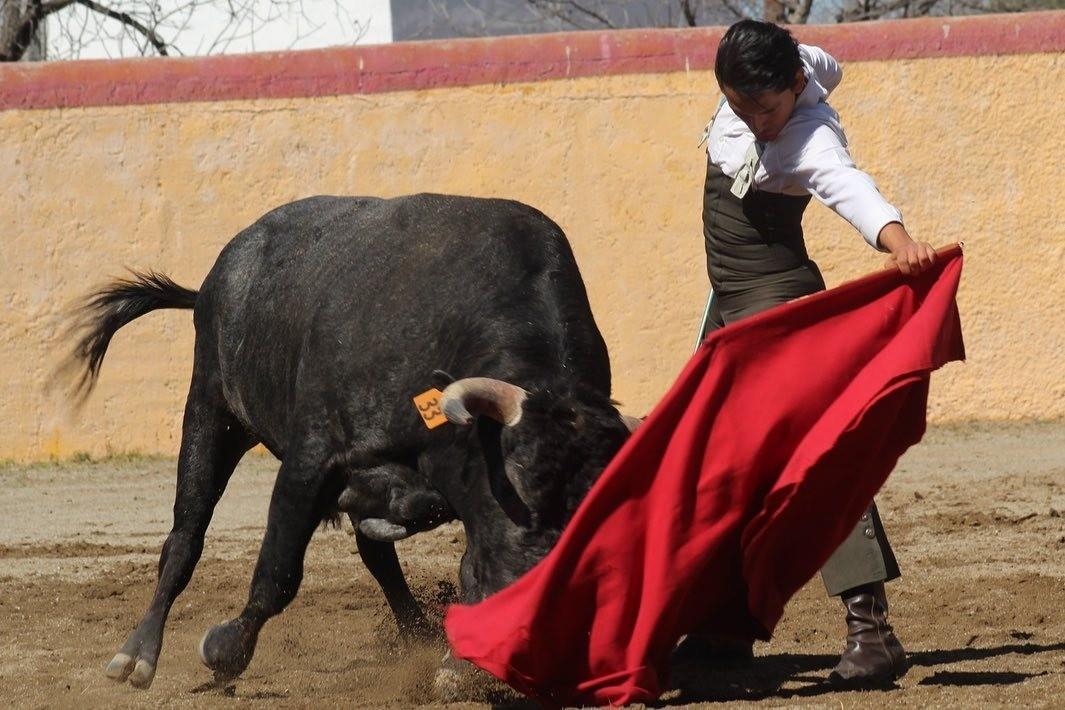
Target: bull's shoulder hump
[241,259]
[291,220]
[503,216]
[487,205]
[315,208]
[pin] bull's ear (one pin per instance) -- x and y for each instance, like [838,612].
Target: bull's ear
[441,379]
[631,423]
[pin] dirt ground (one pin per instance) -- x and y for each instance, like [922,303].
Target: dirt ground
[976,514]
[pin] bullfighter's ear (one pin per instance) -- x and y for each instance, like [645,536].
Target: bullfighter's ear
[441,379]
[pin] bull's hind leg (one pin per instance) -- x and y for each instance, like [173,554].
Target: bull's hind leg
[212,443]
[380,558]
[304,491]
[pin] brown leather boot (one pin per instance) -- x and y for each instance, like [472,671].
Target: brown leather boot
[873,657]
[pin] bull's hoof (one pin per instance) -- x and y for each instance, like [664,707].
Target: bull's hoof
[419,631]
[448,681]
[120,667]
[135,662]
[143,674]
[447,684]
[227,648]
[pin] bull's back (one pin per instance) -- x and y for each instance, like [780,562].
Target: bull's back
[365,297]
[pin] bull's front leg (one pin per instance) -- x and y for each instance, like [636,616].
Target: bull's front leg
[303,492]
[381,560]
[388,502]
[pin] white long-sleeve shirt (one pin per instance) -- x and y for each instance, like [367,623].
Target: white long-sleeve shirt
[810,153]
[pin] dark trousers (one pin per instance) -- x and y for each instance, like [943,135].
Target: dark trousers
[865,556]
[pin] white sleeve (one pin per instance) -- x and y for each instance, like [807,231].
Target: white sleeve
[826,69]
[829,174]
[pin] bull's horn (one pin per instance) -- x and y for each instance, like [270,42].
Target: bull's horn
[633,423]
[466,398]
[378,528]
[383,531]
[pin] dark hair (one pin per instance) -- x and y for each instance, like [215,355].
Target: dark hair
[754,57]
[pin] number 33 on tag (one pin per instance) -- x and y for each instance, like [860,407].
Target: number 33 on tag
[428,405]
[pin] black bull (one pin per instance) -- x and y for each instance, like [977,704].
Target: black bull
[314,330]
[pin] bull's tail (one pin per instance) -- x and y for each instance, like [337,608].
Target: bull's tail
[105,311]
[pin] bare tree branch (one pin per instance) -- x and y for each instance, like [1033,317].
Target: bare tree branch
[122,27]
[862,10]
[558,9]
[56,6]
[799,11]
[590,13]
[129,21]
[689,11]
[21,22]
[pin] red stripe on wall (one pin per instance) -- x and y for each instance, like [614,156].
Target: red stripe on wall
[528,58]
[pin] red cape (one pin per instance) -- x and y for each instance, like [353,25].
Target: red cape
[731,495]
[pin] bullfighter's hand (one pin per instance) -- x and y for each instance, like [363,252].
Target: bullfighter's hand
[909,256]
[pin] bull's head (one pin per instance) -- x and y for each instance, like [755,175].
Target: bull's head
[543,449]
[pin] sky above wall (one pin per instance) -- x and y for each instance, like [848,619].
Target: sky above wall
[308,24]
[303,25]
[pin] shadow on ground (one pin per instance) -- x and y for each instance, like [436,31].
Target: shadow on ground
[765,677]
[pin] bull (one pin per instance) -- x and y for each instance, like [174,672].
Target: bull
[315,328]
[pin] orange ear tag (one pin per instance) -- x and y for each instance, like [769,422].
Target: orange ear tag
[428,404]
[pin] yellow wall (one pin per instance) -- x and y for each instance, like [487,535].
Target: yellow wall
[968,147]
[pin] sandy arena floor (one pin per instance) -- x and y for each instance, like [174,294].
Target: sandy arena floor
[976,514]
